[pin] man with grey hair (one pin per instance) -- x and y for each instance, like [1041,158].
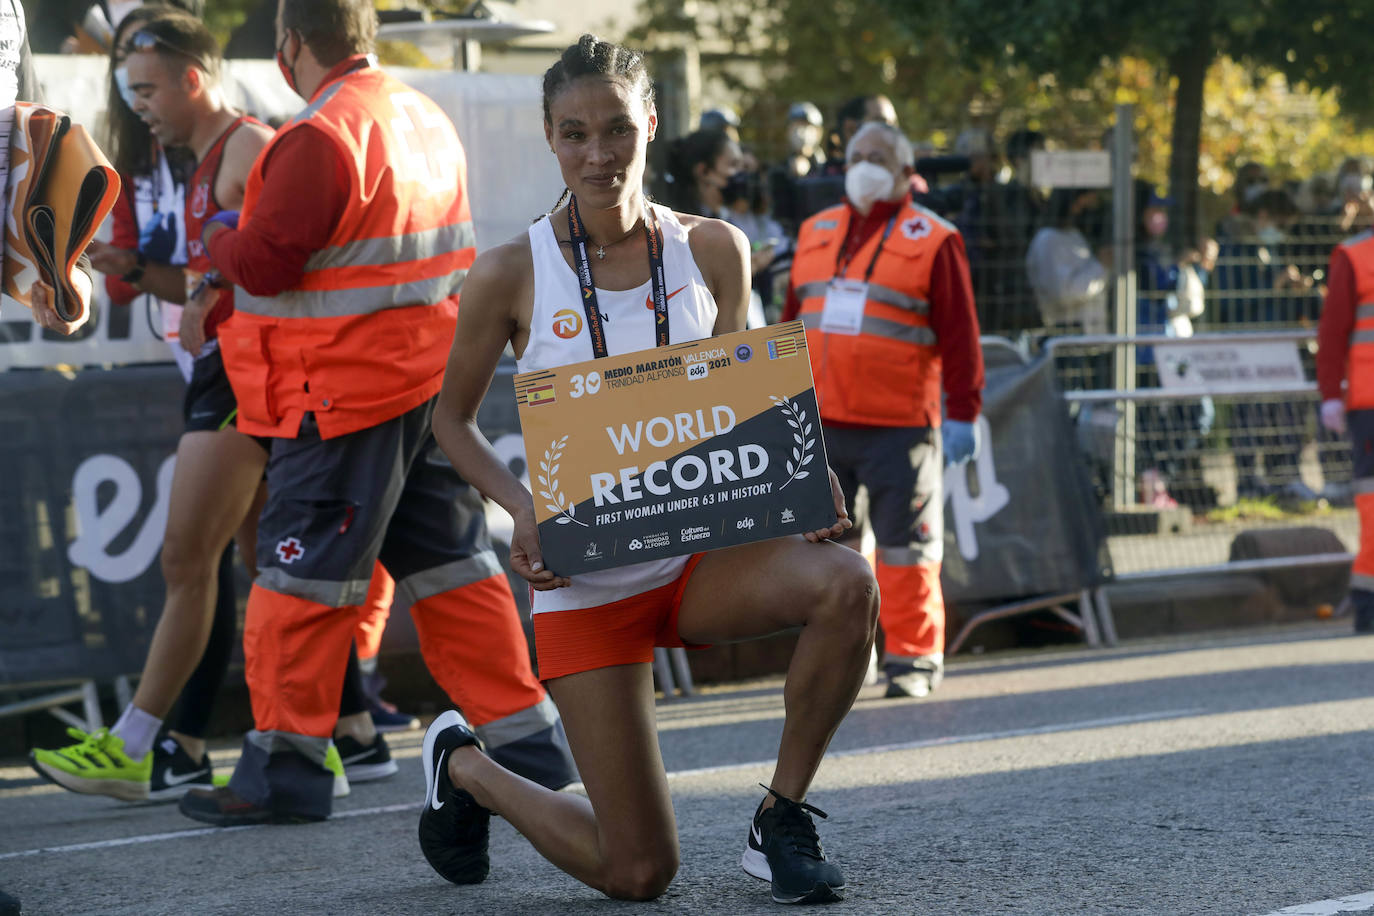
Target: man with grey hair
[883,287]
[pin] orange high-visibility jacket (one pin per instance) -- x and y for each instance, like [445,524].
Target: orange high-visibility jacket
[365,334]
[889,373]
[1360,250]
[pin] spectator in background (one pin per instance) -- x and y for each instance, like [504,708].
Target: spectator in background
[747,207]
[1066,275]
[1014,211]
[699,167]
[83,27]
[1170,288]
[1354,198]
[723,120]
[1252,180]
[1258,286]
[805,132]
[972,207]
[852,115]
[1254,272]
[804,135]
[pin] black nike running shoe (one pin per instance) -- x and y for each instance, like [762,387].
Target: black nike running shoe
[783,848]
[174,773]
[453,827]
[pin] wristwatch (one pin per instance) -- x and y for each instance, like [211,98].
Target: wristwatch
[136,274]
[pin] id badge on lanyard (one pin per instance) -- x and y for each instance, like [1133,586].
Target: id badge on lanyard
[843,312]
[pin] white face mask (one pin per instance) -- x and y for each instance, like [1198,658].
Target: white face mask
[865,183]
[121,76]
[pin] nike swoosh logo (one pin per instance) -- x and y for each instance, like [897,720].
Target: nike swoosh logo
[171,780]
[649,300]
[758,835]
[356,757]
[438,771]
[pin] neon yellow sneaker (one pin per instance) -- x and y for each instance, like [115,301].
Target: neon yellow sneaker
[95,765]
[334,764]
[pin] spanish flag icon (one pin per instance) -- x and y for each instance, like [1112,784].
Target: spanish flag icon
[540,394]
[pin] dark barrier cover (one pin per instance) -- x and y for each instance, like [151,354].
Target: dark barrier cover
[84,480]
[85,471]
[1023,519]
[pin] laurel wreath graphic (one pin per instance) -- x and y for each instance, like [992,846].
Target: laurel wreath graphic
[557,502]
[801,452]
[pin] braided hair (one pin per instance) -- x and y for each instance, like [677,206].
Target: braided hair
[593,56]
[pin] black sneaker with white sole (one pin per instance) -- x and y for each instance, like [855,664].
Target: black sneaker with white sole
[783,848]
[453,827]
[174,773]
[365,762]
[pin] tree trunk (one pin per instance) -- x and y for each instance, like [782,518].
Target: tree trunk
[1189,65]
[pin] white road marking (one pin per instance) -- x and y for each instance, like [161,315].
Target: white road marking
[1355,904]
[677,774]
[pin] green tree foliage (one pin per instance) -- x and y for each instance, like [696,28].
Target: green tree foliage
[1319,43]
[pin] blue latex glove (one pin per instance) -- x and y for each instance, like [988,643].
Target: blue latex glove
[229,218]
[961,441]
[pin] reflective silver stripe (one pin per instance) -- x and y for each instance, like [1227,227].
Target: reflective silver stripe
[529,721]
[912,556]
[894,297]
[1362,337]
[446,578]
[314,107]
[1362,582]
[881,327]
[307,746]
[931,662]
[395,249]
[320,591]
[359,301]
[876,292]
[1363,485]
[1364,310]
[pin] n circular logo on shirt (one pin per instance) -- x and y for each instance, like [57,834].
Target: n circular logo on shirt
[567,324]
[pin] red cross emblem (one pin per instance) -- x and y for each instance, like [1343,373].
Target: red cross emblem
[289,550]
[428,152]
[918,227]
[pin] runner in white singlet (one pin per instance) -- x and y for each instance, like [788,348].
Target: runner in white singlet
[595,633]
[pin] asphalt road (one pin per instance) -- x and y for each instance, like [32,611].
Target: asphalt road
[1230,776]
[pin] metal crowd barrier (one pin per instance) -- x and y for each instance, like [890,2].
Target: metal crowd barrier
[1184,472]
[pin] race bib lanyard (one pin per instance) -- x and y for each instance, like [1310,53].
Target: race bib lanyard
[654,236]
[843,312]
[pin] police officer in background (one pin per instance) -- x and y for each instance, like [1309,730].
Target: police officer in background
[347,303]
[883,286]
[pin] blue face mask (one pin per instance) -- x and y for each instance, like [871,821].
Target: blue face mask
[1270,235]
[121,77]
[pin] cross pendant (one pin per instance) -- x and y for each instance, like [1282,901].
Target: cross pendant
[601,252]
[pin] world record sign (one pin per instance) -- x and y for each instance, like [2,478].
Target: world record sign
[675,450]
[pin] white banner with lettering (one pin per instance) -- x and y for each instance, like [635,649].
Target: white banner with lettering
[1231,368]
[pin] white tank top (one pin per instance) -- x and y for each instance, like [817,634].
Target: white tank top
[629,326]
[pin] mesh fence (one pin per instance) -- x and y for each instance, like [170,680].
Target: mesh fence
[1180,478]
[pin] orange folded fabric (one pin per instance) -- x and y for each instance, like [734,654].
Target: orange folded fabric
[61,187]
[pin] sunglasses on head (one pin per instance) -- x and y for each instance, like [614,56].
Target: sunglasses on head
[145,40]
